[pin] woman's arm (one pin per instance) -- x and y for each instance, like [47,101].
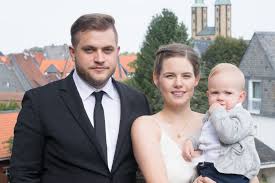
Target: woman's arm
[146,145]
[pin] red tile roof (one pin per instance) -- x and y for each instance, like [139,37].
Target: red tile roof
[31,71]
[11,96]
[7,123]
[61,65]
[124,61]
[4,59]
[68,68]
[39,57]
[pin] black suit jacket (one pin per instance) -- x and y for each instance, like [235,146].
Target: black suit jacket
[55,142]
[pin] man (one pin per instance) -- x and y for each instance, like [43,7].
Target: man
[61,136]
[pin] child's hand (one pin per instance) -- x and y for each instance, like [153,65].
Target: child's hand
[214,106]
[188,150]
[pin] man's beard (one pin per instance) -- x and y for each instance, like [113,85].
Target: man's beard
[90,80]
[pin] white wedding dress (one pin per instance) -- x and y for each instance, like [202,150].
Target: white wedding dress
[178,170]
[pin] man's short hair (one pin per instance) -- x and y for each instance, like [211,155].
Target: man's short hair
[94,21]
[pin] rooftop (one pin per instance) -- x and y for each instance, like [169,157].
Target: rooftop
[60,52]
[11,96]
[266,154]
[267,41]
[123,68]
[207,31]
[27,68]
[199,3]
[7,123]
[51,69]
[201,46]
[222,2]
[60,65]
[9,82]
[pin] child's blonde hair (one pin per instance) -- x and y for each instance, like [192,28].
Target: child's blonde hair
[228,68]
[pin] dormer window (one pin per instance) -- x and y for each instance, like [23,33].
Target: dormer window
[254,96]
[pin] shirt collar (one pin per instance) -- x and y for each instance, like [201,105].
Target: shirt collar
[238,105]
[85,89]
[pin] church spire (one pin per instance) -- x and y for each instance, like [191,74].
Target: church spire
[199,17]
[222,2]
[223,18]
[199,3]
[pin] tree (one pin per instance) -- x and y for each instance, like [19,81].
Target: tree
[10,144]
[163,29]
[199,101]
[11,105]
[228,50]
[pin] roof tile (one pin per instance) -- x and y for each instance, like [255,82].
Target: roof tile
[124,61]
[7,123]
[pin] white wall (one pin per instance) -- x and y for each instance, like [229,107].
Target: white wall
[266,130]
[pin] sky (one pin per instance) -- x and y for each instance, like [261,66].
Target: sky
[28,23]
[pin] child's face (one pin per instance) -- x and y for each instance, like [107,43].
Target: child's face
[225,89]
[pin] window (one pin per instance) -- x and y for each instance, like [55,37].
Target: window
[254,96]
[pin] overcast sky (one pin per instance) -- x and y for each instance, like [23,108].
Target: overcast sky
[29,23]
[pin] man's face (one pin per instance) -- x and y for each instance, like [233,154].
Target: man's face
[95,56]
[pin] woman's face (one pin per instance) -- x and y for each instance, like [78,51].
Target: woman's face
[176,81]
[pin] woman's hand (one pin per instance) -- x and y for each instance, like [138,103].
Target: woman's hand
[201,179]
[254,180]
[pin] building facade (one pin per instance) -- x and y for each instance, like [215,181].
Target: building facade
[258,66]
[200,29]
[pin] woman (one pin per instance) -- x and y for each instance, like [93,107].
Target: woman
[158,139]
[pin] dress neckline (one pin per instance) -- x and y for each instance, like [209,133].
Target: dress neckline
[163,132]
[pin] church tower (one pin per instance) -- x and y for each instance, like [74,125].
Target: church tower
[199,17]
[223,18]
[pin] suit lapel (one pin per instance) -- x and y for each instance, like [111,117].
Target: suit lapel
[123,126]
[72,100]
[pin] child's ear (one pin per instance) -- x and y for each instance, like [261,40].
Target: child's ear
[207,93]
[242,96]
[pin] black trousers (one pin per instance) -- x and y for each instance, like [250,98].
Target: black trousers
[207,169]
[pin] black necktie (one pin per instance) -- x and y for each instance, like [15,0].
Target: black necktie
[99,122]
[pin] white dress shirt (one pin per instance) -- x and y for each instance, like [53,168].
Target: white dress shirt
[111,106]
